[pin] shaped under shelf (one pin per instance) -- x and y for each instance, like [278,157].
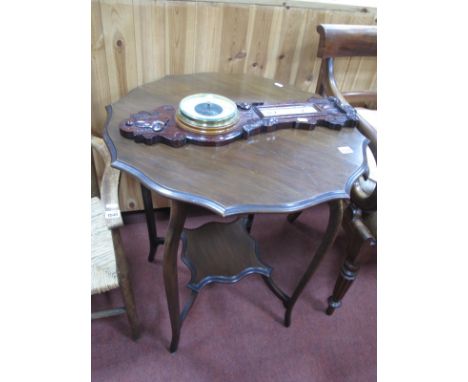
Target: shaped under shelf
[221,253]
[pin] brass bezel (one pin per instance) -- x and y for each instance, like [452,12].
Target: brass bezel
[207,127]
[204,128]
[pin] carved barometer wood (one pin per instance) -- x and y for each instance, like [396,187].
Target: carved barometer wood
[214,120]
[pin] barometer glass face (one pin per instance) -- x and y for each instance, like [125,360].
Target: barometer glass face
[289,110]
[205,107]
[208,109]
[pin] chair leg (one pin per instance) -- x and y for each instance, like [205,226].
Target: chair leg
[347,274]
[125,285]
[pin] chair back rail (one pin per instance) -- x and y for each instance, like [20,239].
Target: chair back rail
[344,41]
[338,40]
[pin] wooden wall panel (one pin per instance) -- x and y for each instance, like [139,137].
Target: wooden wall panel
[257,41]
[180,37]
[150,30]
[138,41]
[119,36]
[308,65]
[209,29]
[290,38]
[234,38]
[100,94]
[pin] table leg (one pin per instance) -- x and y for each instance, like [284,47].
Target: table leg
[154,240]
[292,217]
[334,222]
[176,225]
[249,222]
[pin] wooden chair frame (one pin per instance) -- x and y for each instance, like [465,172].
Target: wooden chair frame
[351,41]
[347,41]
[109,195]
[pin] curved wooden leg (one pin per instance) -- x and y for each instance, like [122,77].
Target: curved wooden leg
[125,285]
[348,272]
[334,221]
[176,225]
[154,240]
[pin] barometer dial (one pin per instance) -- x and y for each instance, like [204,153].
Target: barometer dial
[207,113]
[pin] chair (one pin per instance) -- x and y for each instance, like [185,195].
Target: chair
[360,218]
[109,268]
[360,226]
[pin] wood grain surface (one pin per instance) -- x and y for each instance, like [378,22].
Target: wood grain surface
[283,171]
[220,253]
[139,41]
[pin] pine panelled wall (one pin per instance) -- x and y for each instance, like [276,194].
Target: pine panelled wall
[135,42]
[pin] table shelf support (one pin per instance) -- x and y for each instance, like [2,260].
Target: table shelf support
[215,252]
[176,225]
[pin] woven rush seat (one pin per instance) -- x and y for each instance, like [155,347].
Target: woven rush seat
[103,265]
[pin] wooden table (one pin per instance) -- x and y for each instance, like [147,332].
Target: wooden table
[280,172]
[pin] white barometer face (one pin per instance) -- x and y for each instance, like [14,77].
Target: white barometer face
[207,107]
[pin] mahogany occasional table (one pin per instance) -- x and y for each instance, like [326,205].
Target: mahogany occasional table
[284,171]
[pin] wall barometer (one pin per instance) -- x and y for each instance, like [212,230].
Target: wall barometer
[214,120]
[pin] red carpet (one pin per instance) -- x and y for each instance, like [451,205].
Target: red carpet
[235,332]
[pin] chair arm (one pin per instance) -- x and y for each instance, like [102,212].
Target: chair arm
[99,145]
[365,99]
[370,133]
[358,222]
[364,232]
[109,186]
[110,197]
[327,86]
[326,83]
[364,194]
[364,190]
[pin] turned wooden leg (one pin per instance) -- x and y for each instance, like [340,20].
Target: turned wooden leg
[336,208]
[348,272]
[125,285]
[359,237]
[154,240]
[176,225]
